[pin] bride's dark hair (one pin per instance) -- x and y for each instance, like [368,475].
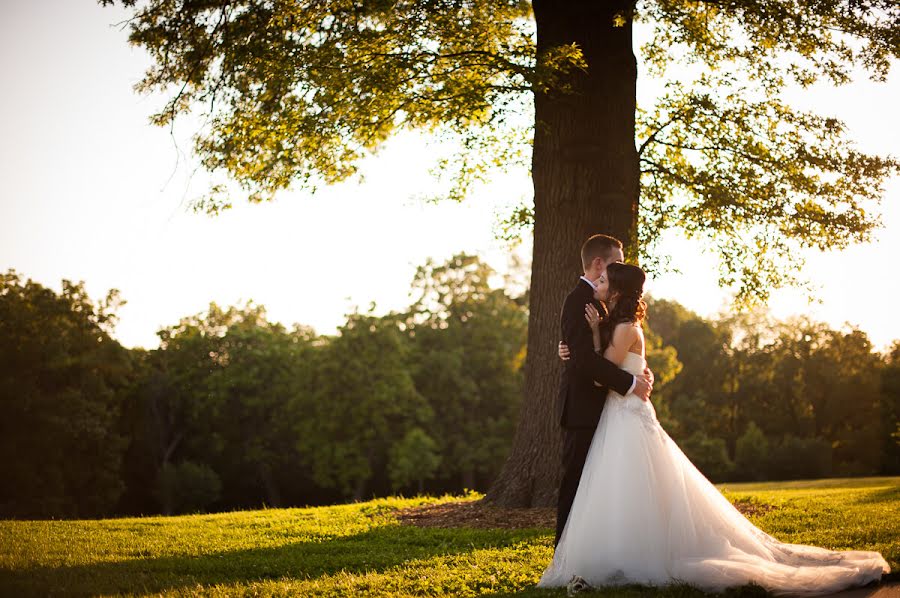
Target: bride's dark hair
[626,282]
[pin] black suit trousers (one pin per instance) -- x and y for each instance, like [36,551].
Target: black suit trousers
[576,442]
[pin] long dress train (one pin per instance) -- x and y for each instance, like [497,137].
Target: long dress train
[645,514]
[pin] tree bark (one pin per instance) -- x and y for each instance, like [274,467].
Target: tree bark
[586,181]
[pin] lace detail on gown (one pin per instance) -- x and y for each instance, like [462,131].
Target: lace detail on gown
[643,410]
[645,514]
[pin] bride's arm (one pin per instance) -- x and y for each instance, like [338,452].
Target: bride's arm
[624,336]
[593,317]
[595,334]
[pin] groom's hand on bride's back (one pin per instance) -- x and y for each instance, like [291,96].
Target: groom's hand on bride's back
[564,351]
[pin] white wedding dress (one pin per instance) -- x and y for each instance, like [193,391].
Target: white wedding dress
[644,514]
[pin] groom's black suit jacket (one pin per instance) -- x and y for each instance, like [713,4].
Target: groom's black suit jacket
[580,402]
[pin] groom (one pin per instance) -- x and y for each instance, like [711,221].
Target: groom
[580,401]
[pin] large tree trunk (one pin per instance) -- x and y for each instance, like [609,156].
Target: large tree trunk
[586,181]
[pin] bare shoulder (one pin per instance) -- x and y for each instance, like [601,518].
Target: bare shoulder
[626,332]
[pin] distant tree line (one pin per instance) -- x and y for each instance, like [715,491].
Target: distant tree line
[234,411]
[758,399]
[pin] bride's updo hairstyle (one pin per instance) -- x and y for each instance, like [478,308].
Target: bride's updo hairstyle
[626,283]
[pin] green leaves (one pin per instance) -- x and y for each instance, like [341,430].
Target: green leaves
[363,403]
[413,459]
[296,93]
[62,384]
[755,179]
[468,343]
[774,42]
[299,92]
[725,159]
[793,392]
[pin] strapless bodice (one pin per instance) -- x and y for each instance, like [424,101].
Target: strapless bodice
[633,364]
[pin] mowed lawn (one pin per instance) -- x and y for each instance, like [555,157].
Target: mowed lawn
[361,549]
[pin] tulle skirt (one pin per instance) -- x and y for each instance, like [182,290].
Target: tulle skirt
[644,514]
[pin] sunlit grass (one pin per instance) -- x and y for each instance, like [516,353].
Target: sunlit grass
[360,549]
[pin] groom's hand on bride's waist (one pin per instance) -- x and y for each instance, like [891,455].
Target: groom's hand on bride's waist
[643,384]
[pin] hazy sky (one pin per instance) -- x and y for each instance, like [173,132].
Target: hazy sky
[89,190]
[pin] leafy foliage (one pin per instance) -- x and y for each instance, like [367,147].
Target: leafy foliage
[299,92]
[187,487]
[365,401]
[233,411]
[709,455]
[725,158]
[468,340]
[789,399]
[890,390]
[752,453]
[221,390]
[62,378]
[755,178]
[413,459]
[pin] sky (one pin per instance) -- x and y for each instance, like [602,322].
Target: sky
[90,190]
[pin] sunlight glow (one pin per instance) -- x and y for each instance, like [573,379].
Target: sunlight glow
[91,191]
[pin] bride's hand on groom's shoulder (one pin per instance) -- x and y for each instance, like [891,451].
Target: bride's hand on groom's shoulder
[564,351]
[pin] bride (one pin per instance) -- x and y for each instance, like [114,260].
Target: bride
[643,514]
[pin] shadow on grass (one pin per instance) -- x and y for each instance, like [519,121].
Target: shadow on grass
[375,550]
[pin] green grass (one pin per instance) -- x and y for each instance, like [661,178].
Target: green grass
[359,549]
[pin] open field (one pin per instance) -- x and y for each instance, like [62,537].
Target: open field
[362,549]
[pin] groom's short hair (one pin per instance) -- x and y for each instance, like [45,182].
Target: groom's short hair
[598,246]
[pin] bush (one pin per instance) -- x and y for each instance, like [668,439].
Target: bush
[797,458]
[187,487]
[751,455]
[709,455]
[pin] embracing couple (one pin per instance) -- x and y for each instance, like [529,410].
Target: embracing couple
[632,507]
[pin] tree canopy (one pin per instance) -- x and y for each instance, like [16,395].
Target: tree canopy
[62,383]
[296,93]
